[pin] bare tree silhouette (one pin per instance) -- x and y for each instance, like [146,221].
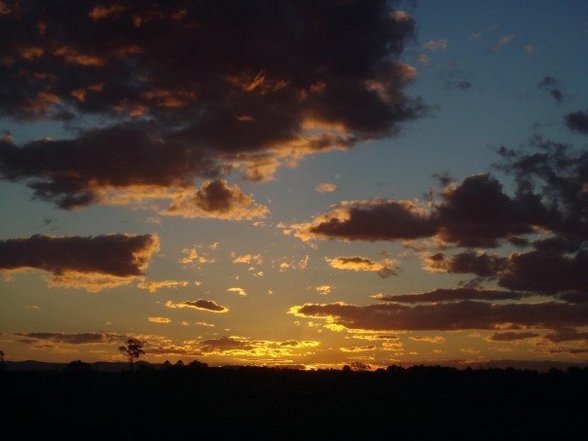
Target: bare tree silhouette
[132,350]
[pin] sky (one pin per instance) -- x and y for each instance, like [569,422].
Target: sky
[297,183]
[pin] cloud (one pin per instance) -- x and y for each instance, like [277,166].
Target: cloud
[480,264]
[355,349]
[239,291]
[216,199]
[159,320]
[504,40]
[453,295]
[462,85]
[464,221]
[423,59]
[249,259]
[577,121]
[84,338]
[324,289]
[435,340]
[457,218]
[447,316]
[201,304]
[513,336]
[224,344]
[545,273]
[325,187]
[154,286]
[378,219]
[191,255]
[529,49]
[567,335]
[435,45]
[552,85]
[91,263]
[385,268]
[244,346]
[167,120]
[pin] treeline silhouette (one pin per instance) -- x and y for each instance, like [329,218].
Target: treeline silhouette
[420,402]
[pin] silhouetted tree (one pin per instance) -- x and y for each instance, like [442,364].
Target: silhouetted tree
[360,366]
[132,350]
[194,364]
[2,360]
[78,367]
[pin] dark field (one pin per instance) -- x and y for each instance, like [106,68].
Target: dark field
[262,403]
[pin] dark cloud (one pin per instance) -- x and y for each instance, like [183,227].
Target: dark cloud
[202,304]
[541,272]
[513,336]
[575,297]
[477,213]
[546,273]
[462,85]
[449,316]
[552,85]
[460,218]
[87,262]
[219,200]
[71,339]
[370,220]
[566,335]
[79,171]
[469,262]
[225,344]
[558,175]
[454,295]
[577,121]
[195,89]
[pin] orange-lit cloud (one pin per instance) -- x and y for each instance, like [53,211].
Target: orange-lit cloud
[217,199]
[384,268]
[173,122]
[325,187]
[324,289]
[159,320]
[239,291]
[154,286]
[437,339]
[201,304]
[192,256]
[249,259]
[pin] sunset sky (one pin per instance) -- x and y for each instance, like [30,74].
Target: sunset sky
[294,183]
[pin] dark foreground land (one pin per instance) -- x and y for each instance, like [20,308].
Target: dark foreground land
[195,402]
